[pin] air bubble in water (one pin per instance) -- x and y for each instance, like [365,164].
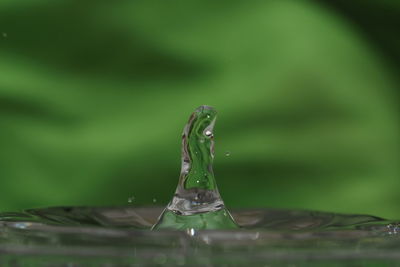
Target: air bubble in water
[208,133]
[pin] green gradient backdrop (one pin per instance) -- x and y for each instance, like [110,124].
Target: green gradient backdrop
[94,96]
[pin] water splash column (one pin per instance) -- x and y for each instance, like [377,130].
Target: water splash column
[197,203]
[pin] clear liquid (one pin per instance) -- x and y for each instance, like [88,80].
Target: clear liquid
[197,203]
[120,235]
[195,229]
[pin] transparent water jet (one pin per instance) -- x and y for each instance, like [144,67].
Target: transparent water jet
[197,203]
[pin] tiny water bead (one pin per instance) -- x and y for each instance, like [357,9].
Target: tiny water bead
[131,199]
[227,153]
[4,34]
[191,231]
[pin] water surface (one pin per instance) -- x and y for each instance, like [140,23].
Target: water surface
[121,236]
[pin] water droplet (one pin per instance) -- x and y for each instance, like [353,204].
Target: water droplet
[191,231]
[4,34]
[131,199]
[154,200]
[208,133]
[256,236]
[227,153]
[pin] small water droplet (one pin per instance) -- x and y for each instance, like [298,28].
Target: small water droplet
[208,133]
[131,199]
[227,153]
[191,231]
[154,200]
[255,236]
[206,239]
[4,34]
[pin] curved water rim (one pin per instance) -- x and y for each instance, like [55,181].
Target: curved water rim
[265,235]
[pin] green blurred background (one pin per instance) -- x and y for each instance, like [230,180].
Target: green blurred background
[94,96]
